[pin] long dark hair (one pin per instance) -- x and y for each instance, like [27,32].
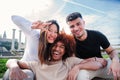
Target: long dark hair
[43,44]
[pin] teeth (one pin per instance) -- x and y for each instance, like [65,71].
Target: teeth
[51,38]
[56,53]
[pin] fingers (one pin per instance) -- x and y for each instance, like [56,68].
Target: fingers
[24,75]
[102,61]
[109,71]
[17,75]
[14,77]
[40,25]
[35,25]
[71,77]
[116,75]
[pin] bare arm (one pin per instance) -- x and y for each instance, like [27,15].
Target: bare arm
[112,53]
[115,65]
[92,64]
[88,64]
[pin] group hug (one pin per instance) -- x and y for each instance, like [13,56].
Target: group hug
[51,54]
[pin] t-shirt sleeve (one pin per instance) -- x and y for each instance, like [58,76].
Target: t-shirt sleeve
[103,41]
[73,61]
[33,65]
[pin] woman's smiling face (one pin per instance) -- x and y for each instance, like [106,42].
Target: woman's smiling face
[52,33]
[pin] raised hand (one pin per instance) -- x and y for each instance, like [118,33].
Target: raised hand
[40,25]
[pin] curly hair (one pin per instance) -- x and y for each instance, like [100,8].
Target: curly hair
[70,46]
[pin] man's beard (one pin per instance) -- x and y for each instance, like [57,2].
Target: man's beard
[80,36]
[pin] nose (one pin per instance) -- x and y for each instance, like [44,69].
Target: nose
[56,48]
[75,28]
[53,34]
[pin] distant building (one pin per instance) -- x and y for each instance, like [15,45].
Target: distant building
[10,45]
[4,41]
[4,35]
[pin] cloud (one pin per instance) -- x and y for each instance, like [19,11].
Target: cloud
[25,8]
[90,20]
[107,24]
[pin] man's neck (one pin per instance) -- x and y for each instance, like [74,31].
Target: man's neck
[83,37]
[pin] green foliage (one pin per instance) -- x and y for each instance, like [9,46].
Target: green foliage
[3,67]
[105,56]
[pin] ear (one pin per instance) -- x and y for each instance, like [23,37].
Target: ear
[83,23]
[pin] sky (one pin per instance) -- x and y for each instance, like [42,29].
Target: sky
[101,15]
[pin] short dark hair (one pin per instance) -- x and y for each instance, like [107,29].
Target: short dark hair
[73,16]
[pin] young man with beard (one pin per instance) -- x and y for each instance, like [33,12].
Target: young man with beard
[88,43]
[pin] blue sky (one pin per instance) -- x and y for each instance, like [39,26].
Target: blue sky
[102,15]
